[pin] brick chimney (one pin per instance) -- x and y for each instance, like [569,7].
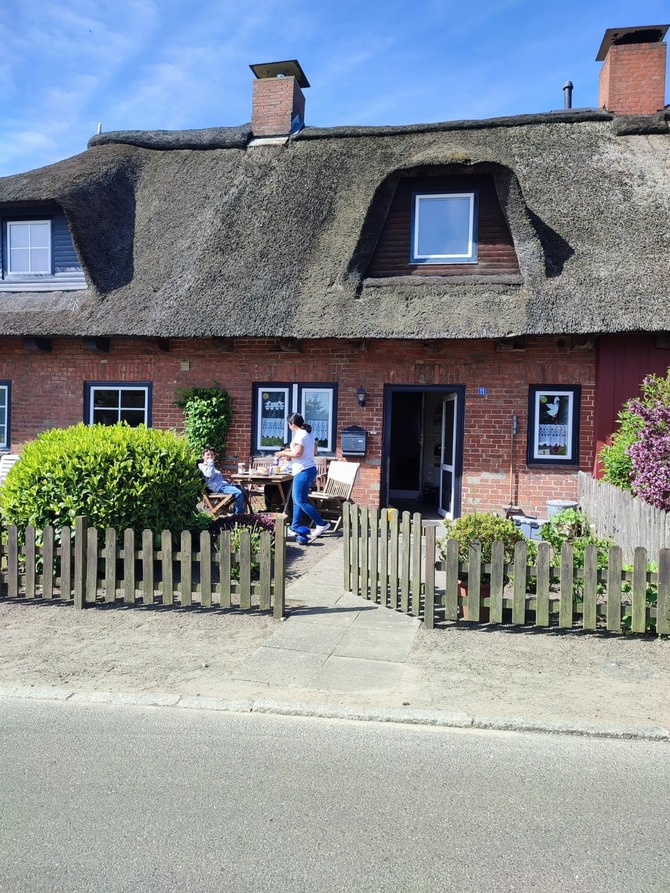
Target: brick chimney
[278,103]
[632,80]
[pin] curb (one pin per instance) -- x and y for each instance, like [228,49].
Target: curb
[398,715]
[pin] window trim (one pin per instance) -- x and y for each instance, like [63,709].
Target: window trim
[470,257]
[7,386]
[90,387]
[30,273]
[571,438]
[294,403]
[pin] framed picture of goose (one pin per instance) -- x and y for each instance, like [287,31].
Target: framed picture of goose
[553,425]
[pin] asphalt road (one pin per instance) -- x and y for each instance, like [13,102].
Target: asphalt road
[108,799]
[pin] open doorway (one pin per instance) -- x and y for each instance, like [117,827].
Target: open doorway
[422,449]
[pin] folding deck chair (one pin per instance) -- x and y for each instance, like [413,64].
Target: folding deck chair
[336,491]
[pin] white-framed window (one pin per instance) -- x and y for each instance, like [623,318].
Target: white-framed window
[274,403]
[29,247]
[108,403]
[444,229]
[5,404]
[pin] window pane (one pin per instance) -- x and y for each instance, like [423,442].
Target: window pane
[39,260]
[133,399]
[40,235]
[444,226]
[105,398]
[272,413]
[553,430]
[105,416]
[317,412]
[133,417]
[4,414]
[19,260]
[19,235]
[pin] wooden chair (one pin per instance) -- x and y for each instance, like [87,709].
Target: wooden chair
[321,472]
[218,504]
[337,490]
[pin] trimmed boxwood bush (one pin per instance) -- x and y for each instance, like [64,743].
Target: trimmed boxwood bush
[117,476]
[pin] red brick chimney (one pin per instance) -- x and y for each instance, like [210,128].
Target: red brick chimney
[278,104]
[632,80]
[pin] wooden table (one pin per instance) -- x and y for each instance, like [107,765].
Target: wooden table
[283,482]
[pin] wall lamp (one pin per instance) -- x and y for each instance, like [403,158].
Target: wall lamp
[360,393]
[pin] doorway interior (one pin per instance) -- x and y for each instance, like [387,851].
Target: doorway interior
[423,448]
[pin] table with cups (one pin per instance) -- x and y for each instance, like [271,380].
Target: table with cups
[262,477]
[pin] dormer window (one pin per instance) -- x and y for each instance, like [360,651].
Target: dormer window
[37,253]
[29,247]
[444,228]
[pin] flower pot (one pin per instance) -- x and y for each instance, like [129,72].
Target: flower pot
[485,592]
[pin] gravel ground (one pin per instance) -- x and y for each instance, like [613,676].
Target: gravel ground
[120,648]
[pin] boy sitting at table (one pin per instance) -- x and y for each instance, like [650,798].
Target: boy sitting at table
[216,483]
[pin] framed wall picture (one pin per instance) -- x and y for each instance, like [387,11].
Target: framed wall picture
[553,425]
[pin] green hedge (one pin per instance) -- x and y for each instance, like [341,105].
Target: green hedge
[117,476]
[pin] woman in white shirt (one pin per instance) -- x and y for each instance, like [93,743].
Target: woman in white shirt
[301,453]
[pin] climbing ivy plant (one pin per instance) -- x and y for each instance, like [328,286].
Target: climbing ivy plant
[207,415]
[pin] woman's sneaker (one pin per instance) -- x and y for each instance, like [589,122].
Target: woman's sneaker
[320,529]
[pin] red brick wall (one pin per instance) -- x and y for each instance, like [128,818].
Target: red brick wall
[632,79]
[48,391]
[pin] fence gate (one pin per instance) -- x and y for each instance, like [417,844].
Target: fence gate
[390,560]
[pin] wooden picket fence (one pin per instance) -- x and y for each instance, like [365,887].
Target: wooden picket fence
[89,567]
[394,560]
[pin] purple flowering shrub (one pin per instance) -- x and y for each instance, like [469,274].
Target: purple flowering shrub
[650,454]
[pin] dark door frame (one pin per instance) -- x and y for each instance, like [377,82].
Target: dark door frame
[389,390]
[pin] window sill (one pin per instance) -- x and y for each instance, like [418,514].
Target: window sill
[421,280]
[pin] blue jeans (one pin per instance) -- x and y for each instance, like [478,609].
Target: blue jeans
[301,504]
[239,496]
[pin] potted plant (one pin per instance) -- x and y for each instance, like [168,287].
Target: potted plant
[484,528]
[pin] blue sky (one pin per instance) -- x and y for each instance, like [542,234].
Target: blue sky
[170,64]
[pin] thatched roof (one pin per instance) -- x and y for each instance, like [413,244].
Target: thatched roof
[197,233]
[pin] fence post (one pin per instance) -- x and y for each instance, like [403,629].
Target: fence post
[346,535]
[48,562]
[12,561]
[147,567]
[91,589]
[415,583]
[80,541]
[429,577]
[663,602]
[280,569]
[614,563]
[30,561]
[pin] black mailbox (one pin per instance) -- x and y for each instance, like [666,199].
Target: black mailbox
[354,441]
